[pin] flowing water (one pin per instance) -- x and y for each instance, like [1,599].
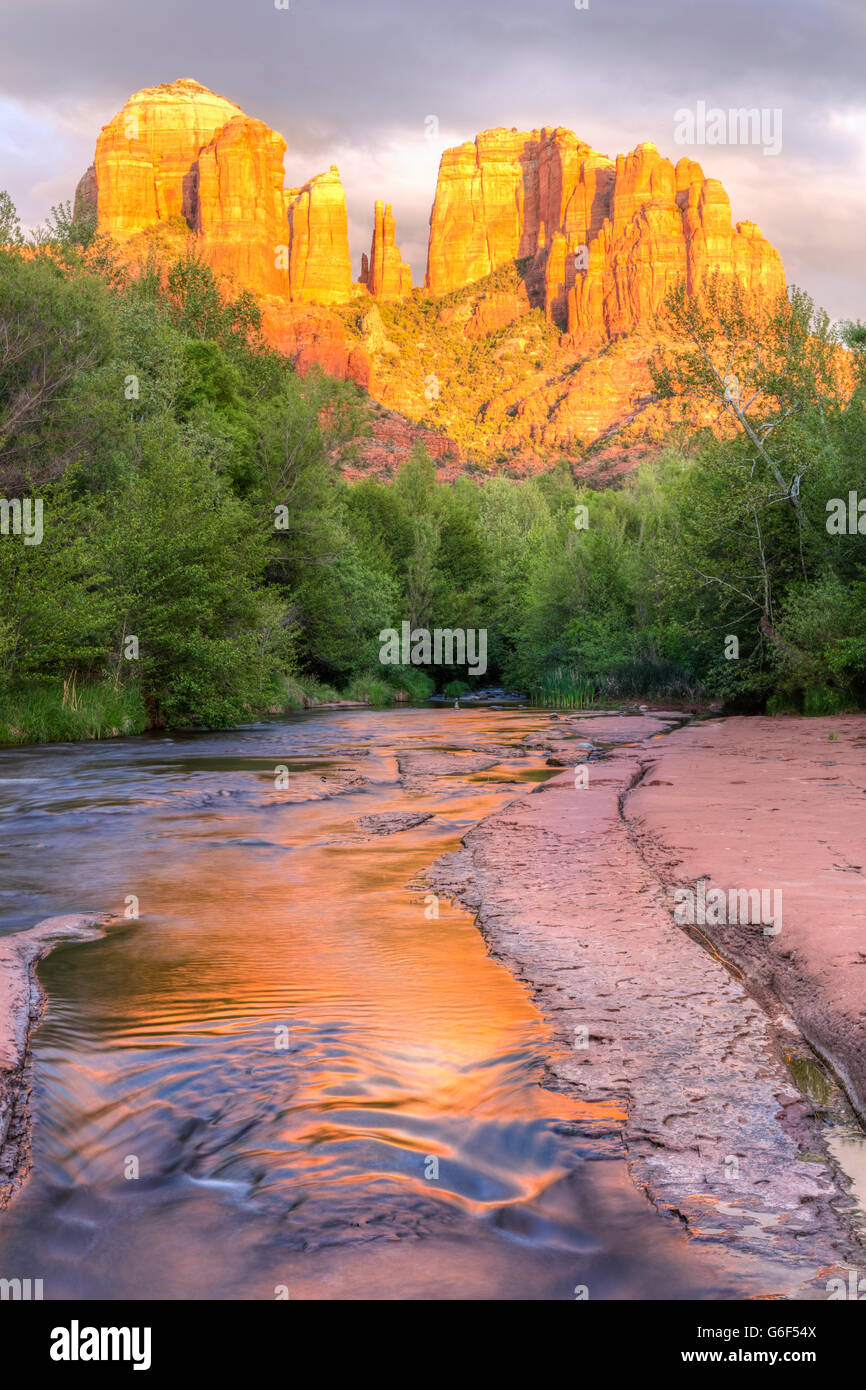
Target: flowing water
[288,1074]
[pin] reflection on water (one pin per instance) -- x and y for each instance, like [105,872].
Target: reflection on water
[319,1082]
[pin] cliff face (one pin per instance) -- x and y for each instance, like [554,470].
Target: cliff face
[320,270]
[236,205]
[145,155]
[606,238]
[181,152]
[502,197]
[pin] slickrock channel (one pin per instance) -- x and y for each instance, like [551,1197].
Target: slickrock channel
[572,900]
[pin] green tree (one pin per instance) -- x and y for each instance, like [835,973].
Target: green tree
[10,223]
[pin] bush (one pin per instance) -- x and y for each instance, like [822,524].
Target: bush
[306,692]
[643,678]
[821,699]
[781,704]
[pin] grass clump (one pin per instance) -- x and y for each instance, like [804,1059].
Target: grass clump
[370,690]
[564,688]
[58,711]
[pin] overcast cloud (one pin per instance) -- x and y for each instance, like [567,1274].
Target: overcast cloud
[352,81]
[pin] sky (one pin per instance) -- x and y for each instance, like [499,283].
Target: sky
[355,82]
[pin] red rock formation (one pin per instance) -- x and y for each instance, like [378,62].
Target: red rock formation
[387,276]
[608,239]
[310,334]
[504,197]
[85,194]
[390,443]
[602,241]
[181,152]
[320,270]
[146,153]
[237,205]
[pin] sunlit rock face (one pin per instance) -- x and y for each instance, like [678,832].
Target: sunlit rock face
[320,270]
[146,155]
[238,206]
[598,243]
[179,153]
[384,272]
[606,239]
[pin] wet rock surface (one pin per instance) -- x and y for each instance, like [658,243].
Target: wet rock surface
[21,1004]
[416,767]
[392,822]
[649,1021]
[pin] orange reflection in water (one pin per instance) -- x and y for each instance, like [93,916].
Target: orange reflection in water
[408,1101]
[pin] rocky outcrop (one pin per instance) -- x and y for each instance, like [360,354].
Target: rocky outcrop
[311,335]
[320,269]
[505,196]
[604,239]
[237,206]
[179,155]
[479,318]
[145,156]
[385,274]
[85,194]
[21,1004]
[812,956]
[649,1033]
[598,242]
[665,224]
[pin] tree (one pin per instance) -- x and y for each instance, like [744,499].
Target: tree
[773,372]
[10,225]
[54,329]
[184,561]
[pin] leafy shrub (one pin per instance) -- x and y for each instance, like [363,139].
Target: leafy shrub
[565,689]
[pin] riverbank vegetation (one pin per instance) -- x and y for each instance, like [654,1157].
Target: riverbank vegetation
[202,559]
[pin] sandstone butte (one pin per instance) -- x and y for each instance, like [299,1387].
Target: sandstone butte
[606,238]
[179,152]
[599,242]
